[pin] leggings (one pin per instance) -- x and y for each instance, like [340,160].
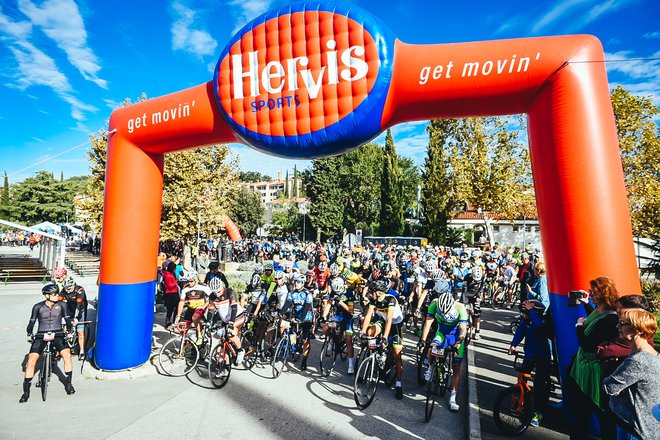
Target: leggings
[171,303]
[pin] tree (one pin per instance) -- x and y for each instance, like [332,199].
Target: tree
[253,176]
[323,189]
[42,198]
[410,178]
[4,199]
[391,202]
[248,212]
[640,148]
[90,202]
[360,171]
[287,194]
[197,180]
[286,220]
[437,197]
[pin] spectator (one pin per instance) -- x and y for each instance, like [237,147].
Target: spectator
[586,372]
[539,289]
[634,387]
[526,277]
[171,297]
[203,263]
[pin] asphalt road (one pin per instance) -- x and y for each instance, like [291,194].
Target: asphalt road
[252,405]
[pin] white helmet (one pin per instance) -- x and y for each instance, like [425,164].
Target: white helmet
[337,284]
[437,274]
[216,284]
[445,303]
[288,264]
[334,269]
[256,281]
[278,274]
[477,273]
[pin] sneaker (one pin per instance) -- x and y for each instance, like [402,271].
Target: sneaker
[427,374]
[199,340]
[69,389]
[398,393]
[240,354]
[303,364]
[453,406]
[476,337]
[536,419]
[24,398]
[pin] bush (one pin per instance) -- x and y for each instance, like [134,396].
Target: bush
[651,291]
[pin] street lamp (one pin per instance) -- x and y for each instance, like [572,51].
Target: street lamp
[302,209]
[199,225]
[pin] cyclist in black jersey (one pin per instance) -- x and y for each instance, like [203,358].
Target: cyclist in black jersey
[75,298]
[49,313]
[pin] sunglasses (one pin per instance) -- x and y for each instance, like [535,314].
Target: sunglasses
[624,324]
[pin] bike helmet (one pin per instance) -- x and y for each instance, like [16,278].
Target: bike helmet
[334,269]
[464,256]
[68,284]
[323,265]
[437,274]
[256,281]
[299,279]
[60,272]
[216,284]
[477,273]
[214,265]
[445,303]
[278,274]
[50,289]
[191,275]
[268,265]
[381,285]
[259,268]
[430,265]
[288,264]
[386,266]
[337,284]
[441,286]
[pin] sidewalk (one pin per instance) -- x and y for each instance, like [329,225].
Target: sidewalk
[491,369]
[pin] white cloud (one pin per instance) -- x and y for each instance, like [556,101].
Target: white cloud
[61,21]
[247,10]
[652,35]
[641,74]
[606,7]
[187,39]
[560,9]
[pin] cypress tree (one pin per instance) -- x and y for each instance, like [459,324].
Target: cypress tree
[391,200]
[435,185]
[4,199]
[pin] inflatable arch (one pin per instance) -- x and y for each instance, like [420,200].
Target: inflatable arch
[317,79]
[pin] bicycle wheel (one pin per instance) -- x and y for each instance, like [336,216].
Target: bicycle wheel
[514,326]
[389,371]
[512,411]
[249,344]
[44,377]
[366,382]
[431,393]
[220,366]
[280,357]
[328,356]
[178,356]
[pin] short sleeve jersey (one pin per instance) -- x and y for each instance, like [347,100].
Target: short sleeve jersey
[195,295]
[299,298]
[450,321]
[383,306]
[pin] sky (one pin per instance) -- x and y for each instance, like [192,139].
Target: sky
[65,65]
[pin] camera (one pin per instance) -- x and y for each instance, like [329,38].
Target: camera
[574,298]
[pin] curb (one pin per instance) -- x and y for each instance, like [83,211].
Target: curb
[474,424]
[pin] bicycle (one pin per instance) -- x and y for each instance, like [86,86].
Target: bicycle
[48,360]
[72,342]
[179,355]
[513,407]
[221,359]
[333,346]
[442,372]
[289,346]
[377,364]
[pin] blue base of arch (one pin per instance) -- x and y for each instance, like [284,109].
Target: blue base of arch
[125,325]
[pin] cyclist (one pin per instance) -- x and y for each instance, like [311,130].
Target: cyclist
[533,330]
[289,274]
[49,313]
[214,271]
[299,305]
[194,297]
[322,274]
[76,300]
[223,301]
[267,277]
[253,291]
[312,286]
[384,318]
[510,274]
[461,274]
[343,299]
[452,327]
[474,301]
[59,275]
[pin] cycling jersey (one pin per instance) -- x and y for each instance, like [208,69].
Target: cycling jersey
[348,298]
[50,318]
[276,295]
[195,295]
[322,277]
[266,280]
[460,273]
[382,306]
[299,304]
[226,305]
[352,279]
[450,321]
[76,302]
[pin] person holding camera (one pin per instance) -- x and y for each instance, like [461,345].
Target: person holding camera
[586,372]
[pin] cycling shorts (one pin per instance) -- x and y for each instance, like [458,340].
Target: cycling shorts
[445,341]
[345,324]
[39,345]
[395,336]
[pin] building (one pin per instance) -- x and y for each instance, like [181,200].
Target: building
[272,190]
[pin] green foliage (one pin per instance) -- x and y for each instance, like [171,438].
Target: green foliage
[4,199]
[360,172]
[286,220]
[391,200]
[248,212]
[410,178]
[436,187]
[651,291]
[325,193]
[455,237]
[43,198]
[640,148]
[253,176]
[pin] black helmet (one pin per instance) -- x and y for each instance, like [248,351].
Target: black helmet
[214,265]
[386,266]
[381,285]
[49,289]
